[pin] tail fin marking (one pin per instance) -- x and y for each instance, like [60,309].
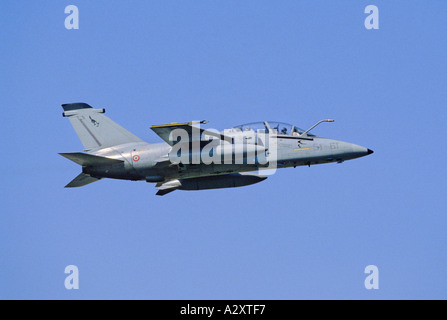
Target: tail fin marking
[94,129]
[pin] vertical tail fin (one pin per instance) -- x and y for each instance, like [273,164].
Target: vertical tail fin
[94,129]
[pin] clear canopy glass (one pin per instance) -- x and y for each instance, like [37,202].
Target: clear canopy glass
[271,127]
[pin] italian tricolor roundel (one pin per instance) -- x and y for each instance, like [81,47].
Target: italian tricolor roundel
[136,158]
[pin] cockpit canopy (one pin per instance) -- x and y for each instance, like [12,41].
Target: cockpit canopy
[271,127]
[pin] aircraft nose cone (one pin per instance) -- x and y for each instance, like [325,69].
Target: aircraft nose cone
[359,151]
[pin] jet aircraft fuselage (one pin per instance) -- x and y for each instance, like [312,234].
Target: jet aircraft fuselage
[193,158]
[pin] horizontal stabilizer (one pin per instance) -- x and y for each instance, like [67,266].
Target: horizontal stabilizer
[85,159]
[81,180]
[165,191]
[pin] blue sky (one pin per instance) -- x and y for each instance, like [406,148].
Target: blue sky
[304,233]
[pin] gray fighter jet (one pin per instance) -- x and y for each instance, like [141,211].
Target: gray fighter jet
[194,158]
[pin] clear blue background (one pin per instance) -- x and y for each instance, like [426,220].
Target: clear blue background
[304,233]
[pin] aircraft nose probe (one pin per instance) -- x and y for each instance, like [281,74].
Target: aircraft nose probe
[316,124]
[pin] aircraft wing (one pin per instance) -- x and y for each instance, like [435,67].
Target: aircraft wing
[170,132]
